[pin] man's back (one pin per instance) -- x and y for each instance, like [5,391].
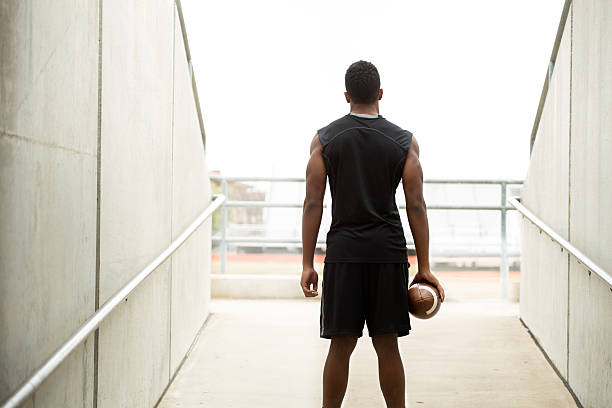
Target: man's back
[365,276]
[364,157]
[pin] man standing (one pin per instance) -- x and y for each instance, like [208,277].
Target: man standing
[365,277]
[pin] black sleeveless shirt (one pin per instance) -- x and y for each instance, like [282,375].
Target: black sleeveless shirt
[364,159]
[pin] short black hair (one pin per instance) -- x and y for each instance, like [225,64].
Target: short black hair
[362,82]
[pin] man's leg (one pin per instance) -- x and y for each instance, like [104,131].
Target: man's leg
[390,369]
[335,374]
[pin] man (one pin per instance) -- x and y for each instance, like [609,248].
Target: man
[365,277]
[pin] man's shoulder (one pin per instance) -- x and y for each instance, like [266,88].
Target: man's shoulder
[391,126]
[327,132]
[400,135]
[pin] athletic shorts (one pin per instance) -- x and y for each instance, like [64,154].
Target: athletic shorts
[374,293]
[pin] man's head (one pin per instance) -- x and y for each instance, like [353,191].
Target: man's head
[362,83]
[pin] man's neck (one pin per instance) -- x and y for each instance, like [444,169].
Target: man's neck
[364,115]
[370,109]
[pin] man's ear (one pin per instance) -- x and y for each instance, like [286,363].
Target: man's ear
[347,97]
[380,93]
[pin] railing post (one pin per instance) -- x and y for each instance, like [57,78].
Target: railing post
[223,257]
[504,245]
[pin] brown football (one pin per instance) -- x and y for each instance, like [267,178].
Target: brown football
[423,300]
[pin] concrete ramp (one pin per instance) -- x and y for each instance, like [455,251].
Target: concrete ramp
[267,353]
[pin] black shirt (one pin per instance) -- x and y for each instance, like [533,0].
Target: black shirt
[364,159]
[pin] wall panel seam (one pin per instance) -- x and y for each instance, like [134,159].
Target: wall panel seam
[569,192]
[171,191]
[14,136]
[98,197]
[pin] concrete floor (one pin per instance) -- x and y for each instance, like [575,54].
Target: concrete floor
[267,353]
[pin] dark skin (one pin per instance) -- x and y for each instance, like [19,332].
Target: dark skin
[390,368]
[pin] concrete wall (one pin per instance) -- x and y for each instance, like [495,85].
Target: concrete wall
[256,287]
[48,155]
[191,194]
[566,307]
[136,198]
[590,318]
[545,192]
[140,158]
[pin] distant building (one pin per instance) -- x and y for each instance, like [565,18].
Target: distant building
[239,191]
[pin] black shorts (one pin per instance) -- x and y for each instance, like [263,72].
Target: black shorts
[354,293]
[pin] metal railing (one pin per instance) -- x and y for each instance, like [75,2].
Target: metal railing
[40,375]
[223,240]
[575,252]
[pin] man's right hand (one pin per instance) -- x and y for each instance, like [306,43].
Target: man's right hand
[425,275]
[309,282]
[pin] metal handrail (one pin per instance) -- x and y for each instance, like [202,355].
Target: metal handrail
[575,252]
[266,204]
[31,384]
[218,177]
[223,240]
[194,87]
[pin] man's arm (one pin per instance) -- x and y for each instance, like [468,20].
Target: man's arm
[412,181]
[311,216]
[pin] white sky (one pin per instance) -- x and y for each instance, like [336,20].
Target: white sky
[464,76]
